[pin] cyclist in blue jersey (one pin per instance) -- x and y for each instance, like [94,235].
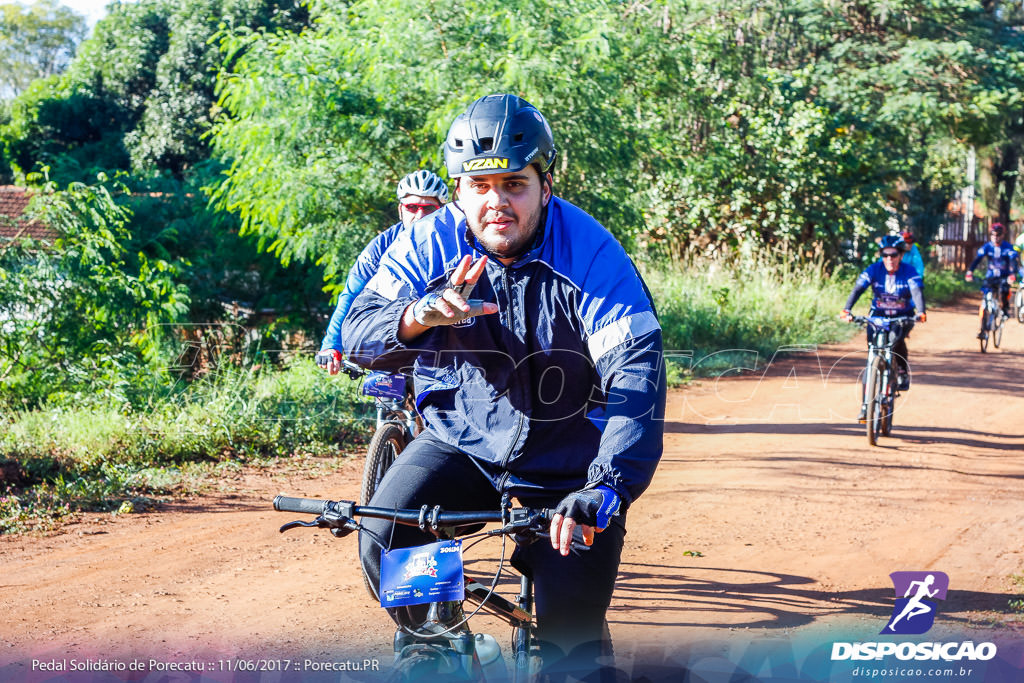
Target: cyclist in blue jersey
[419,194]
[913,256]
[897,291]
[537,355]
[1003,264]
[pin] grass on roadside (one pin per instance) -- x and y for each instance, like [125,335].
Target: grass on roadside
[60,459]
[720,314]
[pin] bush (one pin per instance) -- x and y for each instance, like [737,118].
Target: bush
[96,456]
[739,310]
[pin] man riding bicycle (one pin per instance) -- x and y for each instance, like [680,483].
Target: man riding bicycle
[419,194]
[1003,264]
[898,292]
[547,384]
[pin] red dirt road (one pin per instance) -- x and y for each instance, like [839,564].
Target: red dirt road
[770,520]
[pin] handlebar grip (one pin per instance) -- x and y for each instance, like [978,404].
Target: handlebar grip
[309,506]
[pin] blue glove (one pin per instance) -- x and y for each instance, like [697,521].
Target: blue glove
[593,507]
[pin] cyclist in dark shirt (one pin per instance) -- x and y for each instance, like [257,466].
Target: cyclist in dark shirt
[1003,264]
[897,291]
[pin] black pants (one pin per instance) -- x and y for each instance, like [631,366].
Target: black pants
[571,593]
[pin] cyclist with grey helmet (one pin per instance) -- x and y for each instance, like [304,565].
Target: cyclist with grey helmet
[537,356]
[419,194]
[898,291]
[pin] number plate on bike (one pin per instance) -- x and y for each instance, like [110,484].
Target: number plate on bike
[426,573]
[384,385]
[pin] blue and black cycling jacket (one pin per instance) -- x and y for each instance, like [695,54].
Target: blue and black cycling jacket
[1003,259]
[898,294]
[361,272]
[562,387]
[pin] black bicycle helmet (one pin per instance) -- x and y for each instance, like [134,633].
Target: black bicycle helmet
[498,134]
[997,228]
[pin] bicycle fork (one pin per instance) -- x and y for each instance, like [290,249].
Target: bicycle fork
[524,640]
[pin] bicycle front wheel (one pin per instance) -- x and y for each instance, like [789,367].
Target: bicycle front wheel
[997,328]
[888,400]
[986,325]
[386,444]
[874,396]
[1018,304]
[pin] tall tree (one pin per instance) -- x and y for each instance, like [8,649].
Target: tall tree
[36,41]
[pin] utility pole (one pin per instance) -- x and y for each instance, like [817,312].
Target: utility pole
[969,193]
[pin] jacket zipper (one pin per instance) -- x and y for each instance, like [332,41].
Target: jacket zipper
[519,426]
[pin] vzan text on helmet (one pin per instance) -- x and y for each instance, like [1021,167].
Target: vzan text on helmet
[481,164]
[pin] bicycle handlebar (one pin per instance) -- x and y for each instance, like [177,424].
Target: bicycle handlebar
[340,514]
[863,320]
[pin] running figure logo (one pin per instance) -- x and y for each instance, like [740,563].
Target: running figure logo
[914,613]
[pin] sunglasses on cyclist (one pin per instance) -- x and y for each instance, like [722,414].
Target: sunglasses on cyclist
[890,254]
[418,208]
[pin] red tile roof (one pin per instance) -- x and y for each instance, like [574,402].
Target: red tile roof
[13,201]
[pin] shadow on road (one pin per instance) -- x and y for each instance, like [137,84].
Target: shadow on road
[909,433]
[748,599]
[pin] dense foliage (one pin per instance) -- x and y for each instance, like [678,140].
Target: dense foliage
[83,312]
[36,41]
[680,125]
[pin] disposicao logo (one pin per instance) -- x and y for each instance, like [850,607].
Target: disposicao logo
[914,614]
[914,611]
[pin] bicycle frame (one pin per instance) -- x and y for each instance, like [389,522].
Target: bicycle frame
[880,387]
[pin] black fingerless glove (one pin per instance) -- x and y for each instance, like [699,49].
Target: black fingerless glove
[593,507]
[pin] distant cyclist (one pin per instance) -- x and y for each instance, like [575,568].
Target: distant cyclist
[897,291]
[1003,264]
[419,194]
[912,255]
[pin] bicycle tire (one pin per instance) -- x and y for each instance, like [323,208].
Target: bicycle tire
[997,331]
[422,663]
[888,402]
[387,442]
[873,397]
[1018,304]
[985,325]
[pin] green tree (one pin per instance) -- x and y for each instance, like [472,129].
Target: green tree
[321,125]
[83,311]
[36,41]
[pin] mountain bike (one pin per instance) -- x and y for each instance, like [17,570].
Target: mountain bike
[881,388]
[992,318]
[441,645]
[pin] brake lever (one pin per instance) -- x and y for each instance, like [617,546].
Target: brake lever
[293,525]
